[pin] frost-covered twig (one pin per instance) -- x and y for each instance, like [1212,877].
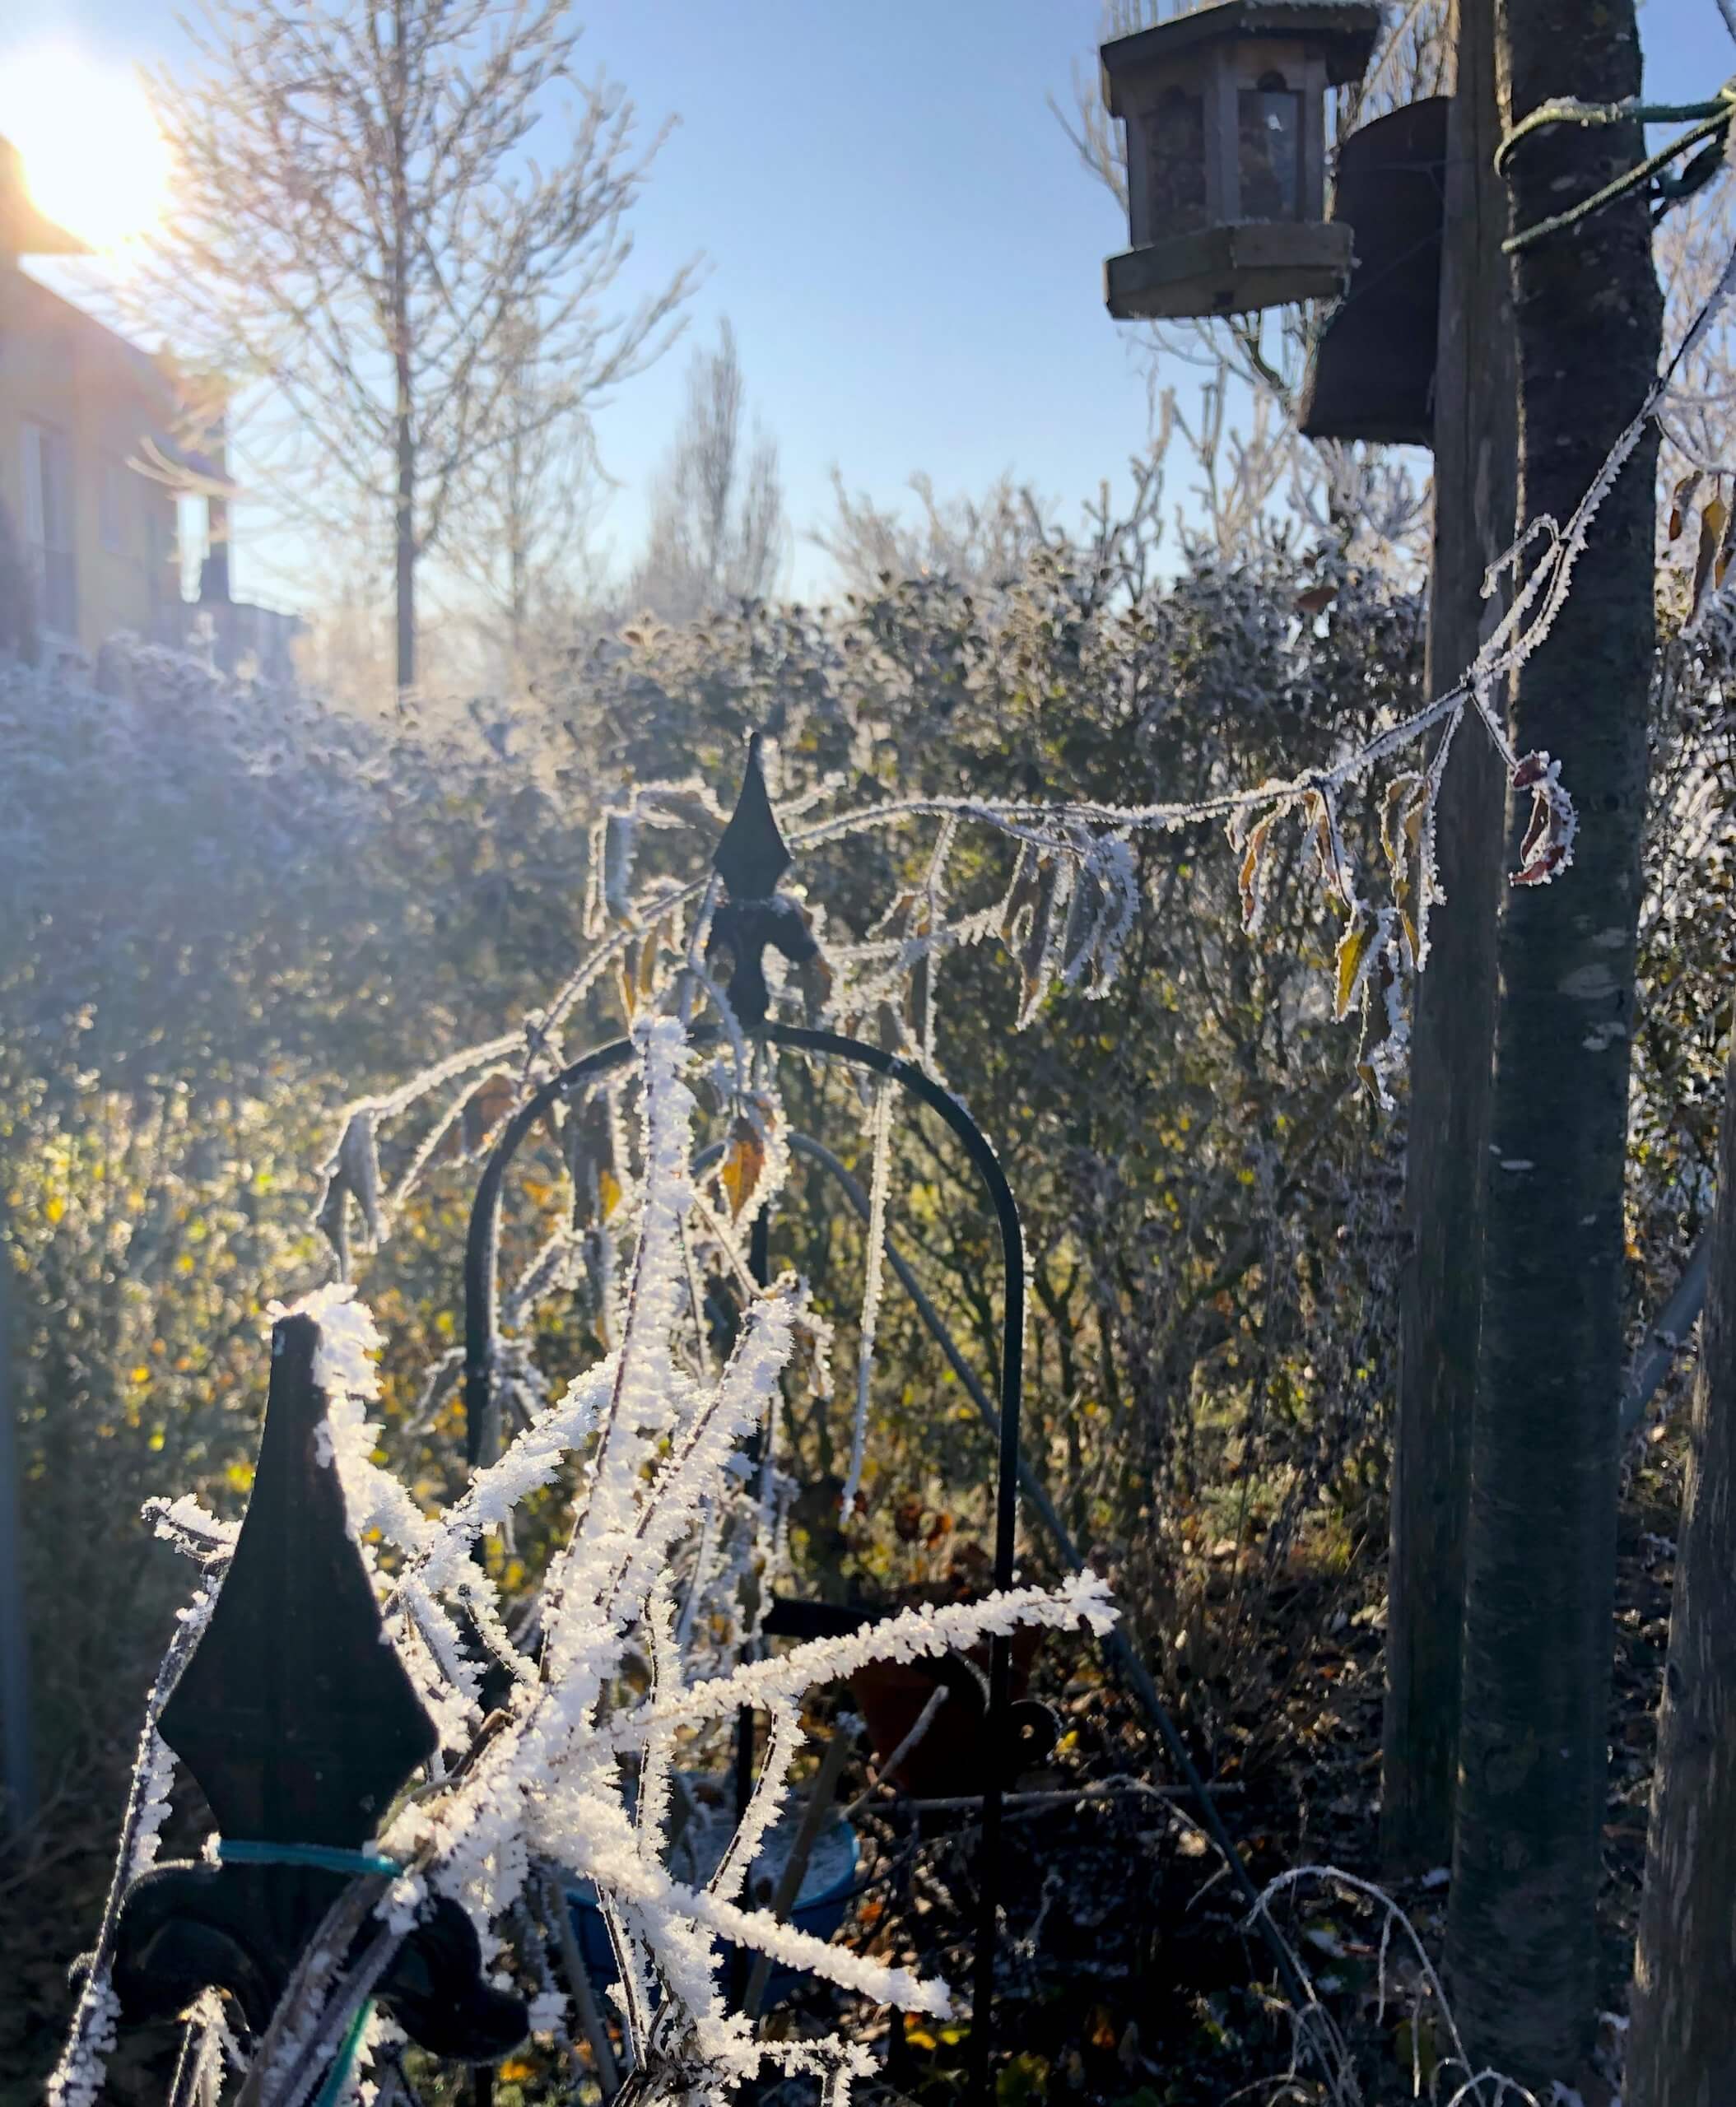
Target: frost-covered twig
[1317,2034]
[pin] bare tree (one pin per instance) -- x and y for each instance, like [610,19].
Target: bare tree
[360,232]
[982,543]
[717,530]
[523,542]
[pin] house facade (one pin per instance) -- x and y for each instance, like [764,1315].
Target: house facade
[94,460]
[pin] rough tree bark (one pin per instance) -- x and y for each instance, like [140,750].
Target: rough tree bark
[1521,1938]
[1681,2046]
[1476,438]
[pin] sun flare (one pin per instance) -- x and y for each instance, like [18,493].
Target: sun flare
[94,159]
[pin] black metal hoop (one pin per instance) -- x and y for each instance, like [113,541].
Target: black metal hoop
[482,1259]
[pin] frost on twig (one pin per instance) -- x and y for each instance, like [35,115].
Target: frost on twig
[1440,2070]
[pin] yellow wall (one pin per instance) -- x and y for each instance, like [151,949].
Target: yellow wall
[63,369]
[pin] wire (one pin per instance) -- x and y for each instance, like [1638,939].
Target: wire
[1711,121]
[247,1851]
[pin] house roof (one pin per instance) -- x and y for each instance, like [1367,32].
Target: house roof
[24,229]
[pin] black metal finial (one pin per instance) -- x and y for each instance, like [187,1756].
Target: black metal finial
[297,1721]
[751,856]
[299,1724]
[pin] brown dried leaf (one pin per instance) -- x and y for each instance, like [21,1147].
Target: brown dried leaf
[1682,498]
[743,1165]
[1401,816]
[1352,954]
[1317,599]
[590,1141]
[1248,878]
[1022,897]
[662,938]
[1714,517]
[1036,938]
[486,1106]
[814,977]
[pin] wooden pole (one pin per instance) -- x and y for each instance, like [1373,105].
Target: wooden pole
[1475,440]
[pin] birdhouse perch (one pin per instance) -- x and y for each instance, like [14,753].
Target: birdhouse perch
[1225,111]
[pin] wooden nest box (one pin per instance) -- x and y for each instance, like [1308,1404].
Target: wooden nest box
[1371,374]
[1226,112]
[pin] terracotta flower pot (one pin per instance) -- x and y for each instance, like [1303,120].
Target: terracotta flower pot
[952,1758]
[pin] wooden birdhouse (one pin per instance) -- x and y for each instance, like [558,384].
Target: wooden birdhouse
[1225,114]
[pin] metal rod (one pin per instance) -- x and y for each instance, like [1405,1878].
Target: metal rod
[1080,1796]
[820,1804]
[976,1146]
[558,1911]
[1665,1336]
[759,1265]
[1116,1645]
[18,1775]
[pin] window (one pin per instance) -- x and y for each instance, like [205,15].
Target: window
[48,525]
[111,507]
[1269,122]
[1175,144]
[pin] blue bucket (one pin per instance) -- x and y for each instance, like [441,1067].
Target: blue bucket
[828,1887]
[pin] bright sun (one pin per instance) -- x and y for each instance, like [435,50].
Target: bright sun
[93,157]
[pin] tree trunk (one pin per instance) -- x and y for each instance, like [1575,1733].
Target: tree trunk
[1682,2048]
[518,512]
[1540,1542]
[404,553]
[404,550]
[1476,438]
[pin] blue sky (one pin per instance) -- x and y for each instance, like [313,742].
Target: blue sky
[906,244]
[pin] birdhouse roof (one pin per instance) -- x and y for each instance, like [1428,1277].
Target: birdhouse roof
[1344,31]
